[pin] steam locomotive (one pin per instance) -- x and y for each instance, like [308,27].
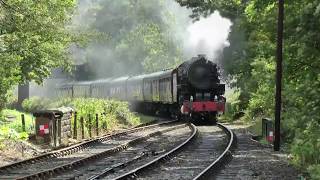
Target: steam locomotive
[190,91]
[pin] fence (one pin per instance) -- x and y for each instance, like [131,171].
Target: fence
[87,126]
[82,126]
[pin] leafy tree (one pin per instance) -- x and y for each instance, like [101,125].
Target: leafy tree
[139,37]
[34,38]
[148,40]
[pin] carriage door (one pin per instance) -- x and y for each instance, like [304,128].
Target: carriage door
[174,87]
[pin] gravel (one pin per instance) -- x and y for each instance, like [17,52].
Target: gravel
[253,161]
[123,162]
[58,161]
[196,157]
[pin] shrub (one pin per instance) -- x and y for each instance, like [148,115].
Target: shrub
[16,123]
[314,171]
[35,103]
[12,130]
[233,110]
[111,113]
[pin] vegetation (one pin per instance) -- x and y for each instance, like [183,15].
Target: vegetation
[11,127]
[232,111]
[249,63]
[140,37]
[35,103]
[34,38]
[111,113]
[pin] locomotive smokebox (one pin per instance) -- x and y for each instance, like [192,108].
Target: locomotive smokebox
[202,74]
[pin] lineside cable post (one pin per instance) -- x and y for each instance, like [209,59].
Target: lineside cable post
[279,75]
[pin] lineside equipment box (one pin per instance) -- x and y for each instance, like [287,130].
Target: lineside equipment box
[53,126]
[267,129]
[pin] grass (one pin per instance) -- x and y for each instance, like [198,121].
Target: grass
[11,126]
[112,115]
[143,119]
[256,127]
[12,119]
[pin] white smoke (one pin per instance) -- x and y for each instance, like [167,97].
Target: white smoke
[207,36]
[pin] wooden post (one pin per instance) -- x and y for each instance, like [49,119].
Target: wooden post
[75,133]
[97,124]
[104,124]
[54,132]
[23,123]
[89,127]
[277,115]
[82,127]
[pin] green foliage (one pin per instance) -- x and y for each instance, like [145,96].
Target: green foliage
[111,112]
[33,40]
[249,64]
[232,105]
[12,120]
[147,39]
[11,127]
[35,103]
[141,38]
[231,9]
[314,171]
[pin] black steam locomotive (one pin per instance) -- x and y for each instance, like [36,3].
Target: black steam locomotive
[192,90]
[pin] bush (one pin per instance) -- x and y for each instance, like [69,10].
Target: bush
[35,103]
[314,171]
[16,124]
[111,113]
[12,130]
[233,111]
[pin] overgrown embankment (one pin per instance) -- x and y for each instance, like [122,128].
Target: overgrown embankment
[112,115]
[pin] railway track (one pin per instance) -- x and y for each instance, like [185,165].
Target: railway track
[47,165]
[169,150]
[142,153]
[200,158]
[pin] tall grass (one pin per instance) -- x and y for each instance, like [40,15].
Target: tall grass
[11,126]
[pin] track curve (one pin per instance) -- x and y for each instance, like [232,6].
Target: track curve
[51,163]
[182,153]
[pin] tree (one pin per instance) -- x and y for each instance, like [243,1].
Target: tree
[34,38]
[139,38]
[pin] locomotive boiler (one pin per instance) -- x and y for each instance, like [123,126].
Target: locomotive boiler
[190,91]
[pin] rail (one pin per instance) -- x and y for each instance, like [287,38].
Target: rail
[209,170]
[77,147]
[132,174]
[226,154]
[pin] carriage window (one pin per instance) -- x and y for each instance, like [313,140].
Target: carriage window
[198,96]
[207,96]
